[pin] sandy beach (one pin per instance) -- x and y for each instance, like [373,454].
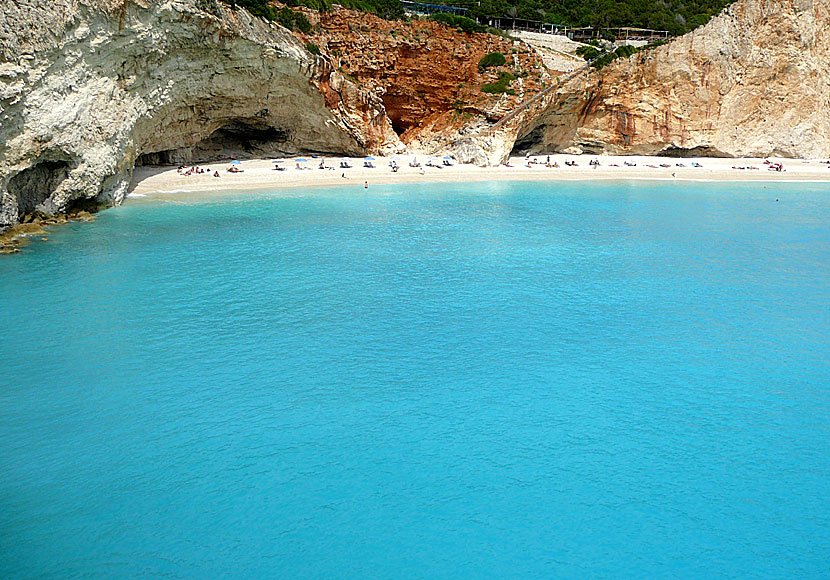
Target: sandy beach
[260,173]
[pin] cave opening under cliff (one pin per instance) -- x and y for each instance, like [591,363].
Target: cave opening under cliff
[532,142]
[241,138]
[399,126]
[34,185]
[247,137]
[395,111]
[169,157]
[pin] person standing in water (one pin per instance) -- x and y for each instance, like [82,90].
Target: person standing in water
[365,185]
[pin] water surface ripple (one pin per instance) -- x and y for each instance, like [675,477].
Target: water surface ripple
[502,380]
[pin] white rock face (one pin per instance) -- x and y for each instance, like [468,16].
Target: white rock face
[89,87]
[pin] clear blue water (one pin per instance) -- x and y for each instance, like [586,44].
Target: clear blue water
[505,380]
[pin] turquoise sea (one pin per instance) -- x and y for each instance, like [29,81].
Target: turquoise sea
[487,380]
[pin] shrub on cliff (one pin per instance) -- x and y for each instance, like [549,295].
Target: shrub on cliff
[621,52]
[312,48]
[462,23]
[587,52]
[302,23]
[255,7]
[286,17]
[294,20]
[501,85]
[320,5]
[387,9]
[491,59]
[625,51]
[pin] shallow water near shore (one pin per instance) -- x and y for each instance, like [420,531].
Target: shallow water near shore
[491,380]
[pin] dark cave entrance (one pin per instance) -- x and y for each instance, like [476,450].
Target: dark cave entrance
[247,137]
[398,127]
[531,142]
[240,138]
[34,185]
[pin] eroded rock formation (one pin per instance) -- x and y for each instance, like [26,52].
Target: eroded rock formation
[89,87]
[425,73]
[755,81]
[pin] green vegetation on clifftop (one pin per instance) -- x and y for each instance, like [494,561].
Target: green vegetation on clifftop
[389,9]
[500,86]
[675,16]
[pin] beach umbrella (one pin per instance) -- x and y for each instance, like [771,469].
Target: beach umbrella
[234,162]
[447,157]
[302,160]
[370,159]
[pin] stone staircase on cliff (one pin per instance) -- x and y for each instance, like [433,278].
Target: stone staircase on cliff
[534,100]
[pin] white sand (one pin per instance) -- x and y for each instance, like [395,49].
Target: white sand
[260,173]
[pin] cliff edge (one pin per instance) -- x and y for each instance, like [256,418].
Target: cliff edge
[753,82]
[89,88]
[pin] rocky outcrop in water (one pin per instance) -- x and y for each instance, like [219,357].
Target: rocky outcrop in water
[88,88]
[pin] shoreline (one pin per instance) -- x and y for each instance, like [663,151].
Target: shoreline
[260,174]
[165,182]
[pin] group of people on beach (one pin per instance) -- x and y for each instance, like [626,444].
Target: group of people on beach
[595,163]
[196,170]
[530,162]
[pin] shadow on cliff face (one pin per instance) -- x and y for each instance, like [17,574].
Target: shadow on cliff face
[32,186]
[239,138]
[700,151]
[536,142]
[533,142]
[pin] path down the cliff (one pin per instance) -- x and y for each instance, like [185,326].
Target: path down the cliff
[536,100]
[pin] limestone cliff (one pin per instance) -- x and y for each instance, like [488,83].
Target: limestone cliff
[90,87]
[755,81]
